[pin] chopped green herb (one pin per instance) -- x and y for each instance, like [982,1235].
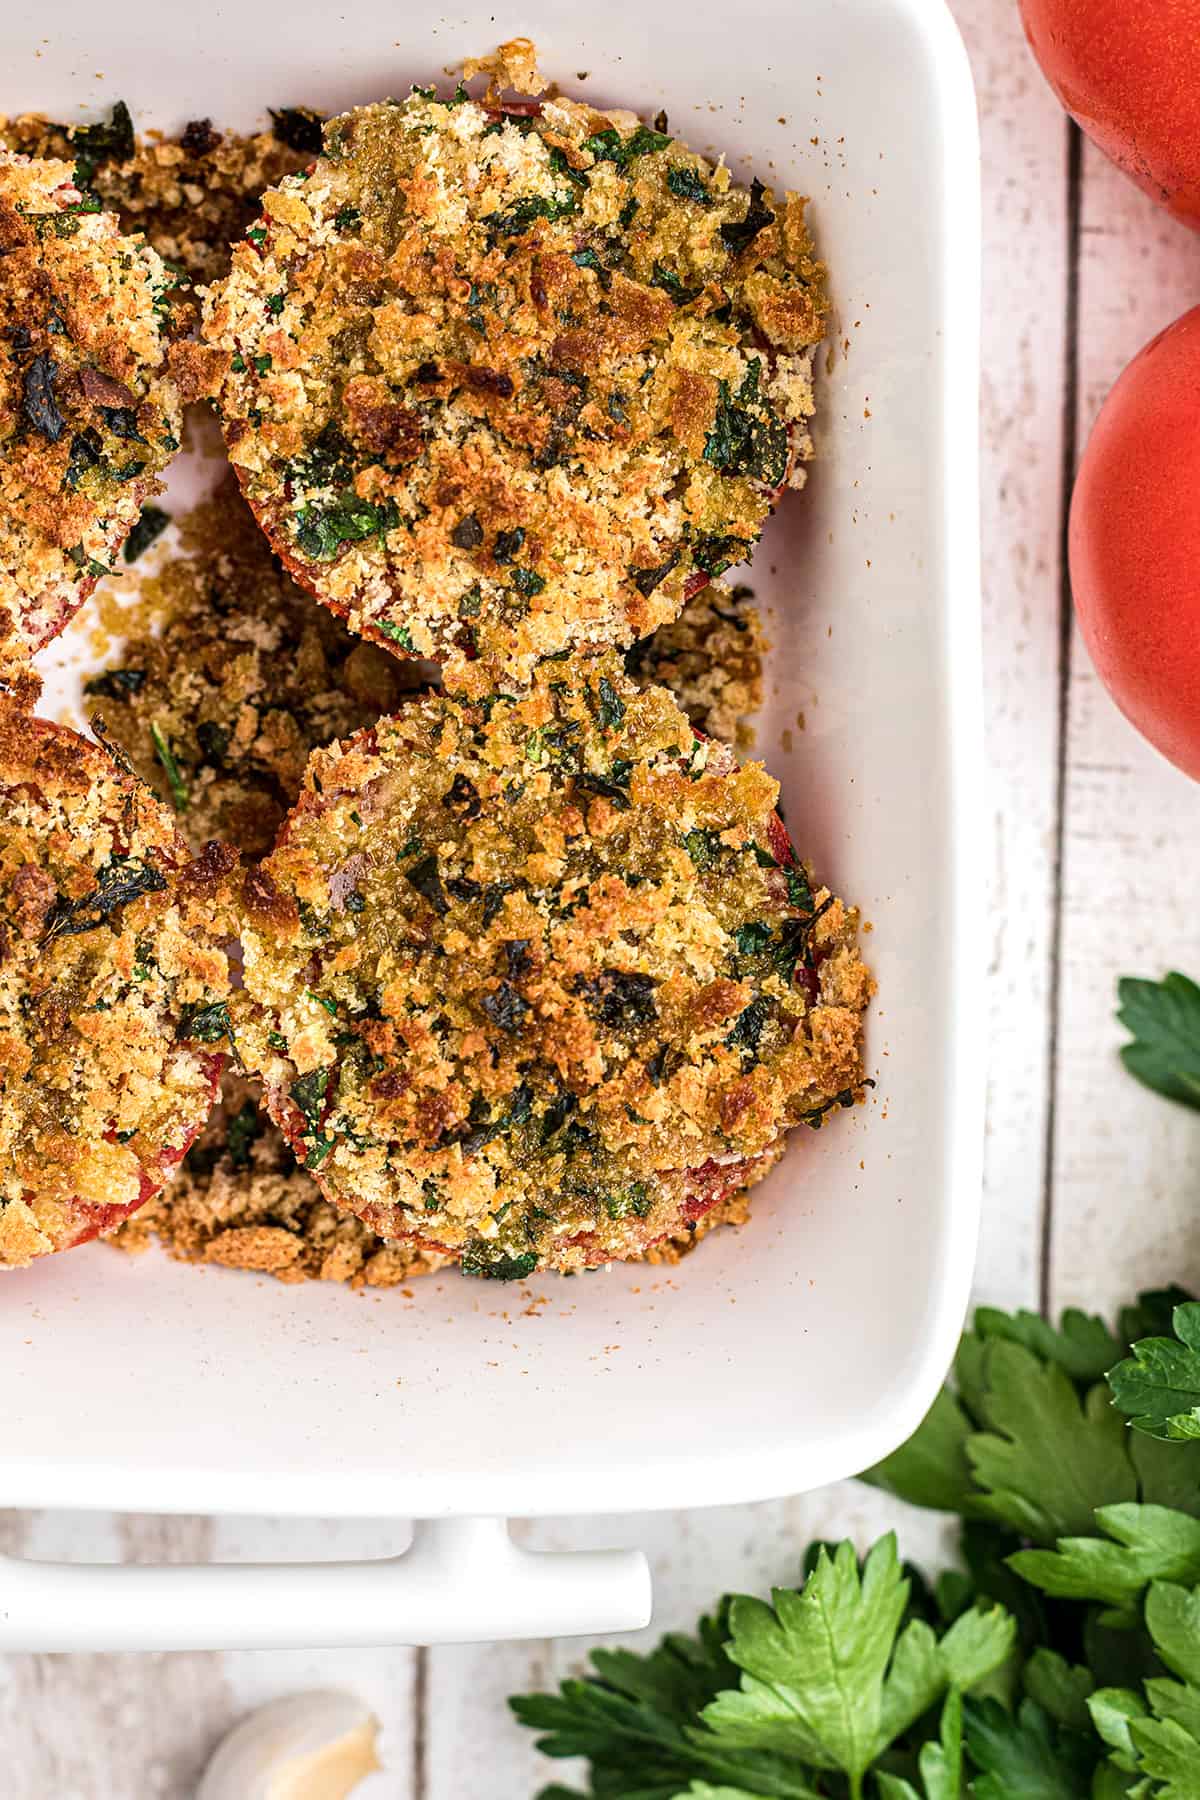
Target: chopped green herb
[399,634]
[166,756]
[206,1024]
[738,235]
[121,880]
[320,531]
[646,580]
[525,212]
[425,878]
[669,281]
[480,1260]
[688,184]
[704,847]
[241,1131]
[528,582]
[116,684]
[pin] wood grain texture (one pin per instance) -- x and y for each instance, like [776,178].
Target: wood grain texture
[1118,1167]
[1126,1165]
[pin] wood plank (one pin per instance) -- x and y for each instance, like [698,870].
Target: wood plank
[1025,273]
[1126,1163]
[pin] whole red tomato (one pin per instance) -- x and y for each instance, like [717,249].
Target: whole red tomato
[1135,543]
[1129,72]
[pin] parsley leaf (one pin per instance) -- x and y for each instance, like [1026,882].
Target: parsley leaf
[1022,1756]
[1051,1456]
[1140,1544]
[1159,1385]
[829,1675]
[1164,1018]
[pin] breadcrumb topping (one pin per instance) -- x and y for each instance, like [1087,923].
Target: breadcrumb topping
[112,989]
[231,676]
[192,195]
[502,385]
[536,979]
[89,414]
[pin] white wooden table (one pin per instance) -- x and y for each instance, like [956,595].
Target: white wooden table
[1092,1186]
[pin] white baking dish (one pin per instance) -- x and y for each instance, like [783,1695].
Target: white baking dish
[807,1346]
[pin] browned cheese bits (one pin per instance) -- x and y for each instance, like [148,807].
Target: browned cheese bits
[536,980]
[505,385]
[113,989]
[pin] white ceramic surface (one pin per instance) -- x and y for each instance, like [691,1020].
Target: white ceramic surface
[808,1345]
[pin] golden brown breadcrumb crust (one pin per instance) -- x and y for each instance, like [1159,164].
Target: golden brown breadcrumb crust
[231,676]
[503,385]
[112,988]
[89,414]
[535,978]
[240,1202]
[191,195]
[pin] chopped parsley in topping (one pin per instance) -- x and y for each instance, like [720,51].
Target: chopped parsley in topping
[479,1259]
[108,140]
[299,127]
[671,284]
[166,756]
[714,553]
[611,711]
[308,1093]
[636,1199]
[120,881]
[544,1051]
[798,888]
[425,878]
[508,544]
[747,1032]
[688,184]
[206,1024]
[321,532]
[746,437]
[646,580]
[399,634]
[505,1007]
[528,210]
[116,684]
[619,998]
[38,404]
[152,521]
[704,847]
[614,787]
[526,375]
[738,236]
[754,937]
[610,146]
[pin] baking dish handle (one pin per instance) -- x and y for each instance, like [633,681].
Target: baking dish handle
[460,1581]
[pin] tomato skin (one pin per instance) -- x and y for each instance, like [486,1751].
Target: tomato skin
[1128,72]
[1134,543]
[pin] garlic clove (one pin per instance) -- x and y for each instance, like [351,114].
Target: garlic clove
[315,1746]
